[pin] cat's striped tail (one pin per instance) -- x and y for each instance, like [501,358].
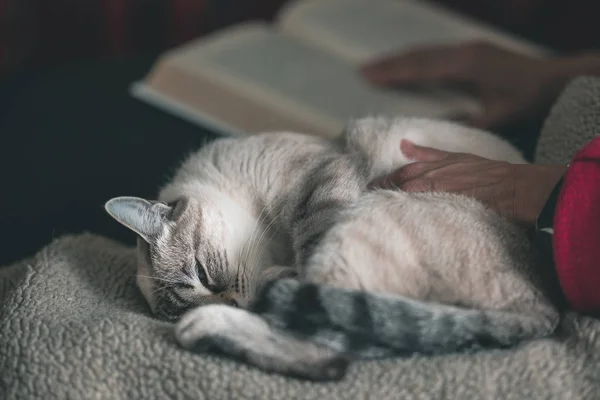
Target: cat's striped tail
[312,329]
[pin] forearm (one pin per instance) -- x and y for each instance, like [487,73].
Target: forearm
[587,63]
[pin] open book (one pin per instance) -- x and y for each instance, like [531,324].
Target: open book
[301,72]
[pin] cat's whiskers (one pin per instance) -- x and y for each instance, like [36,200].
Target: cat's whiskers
[251,243]
[249,258]
[255,257]
[265,232]
[166,283]
[161,288]
[158,279]
[245,249]
[258,257]
[251,267]
[174,278]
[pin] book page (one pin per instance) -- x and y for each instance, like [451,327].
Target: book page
[297,80]
[360,30]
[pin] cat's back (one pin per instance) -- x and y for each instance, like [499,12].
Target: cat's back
[264,147]
[252,163]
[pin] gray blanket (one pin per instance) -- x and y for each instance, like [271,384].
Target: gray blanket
[74,326]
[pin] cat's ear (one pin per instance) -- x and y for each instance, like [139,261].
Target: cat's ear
[141,216]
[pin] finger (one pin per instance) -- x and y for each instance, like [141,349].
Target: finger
[450,174]
[418,185]
[415,152]
[432,184]
[399,176]
[422,176]
[426,159]
[389,181]
[413,171]
[426,65]
[384,182]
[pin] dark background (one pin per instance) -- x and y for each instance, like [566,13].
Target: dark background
[71,139]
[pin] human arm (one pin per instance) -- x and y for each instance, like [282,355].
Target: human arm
[570,196]
[512,87]
[503,186]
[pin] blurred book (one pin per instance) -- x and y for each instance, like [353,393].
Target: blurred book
[300,73]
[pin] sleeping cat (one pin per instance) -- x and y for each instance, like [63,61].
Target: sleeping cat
[274,252]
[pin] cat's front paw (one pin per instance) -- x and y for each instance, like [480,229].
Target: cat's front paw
[238,333]
[218,328]
[201,323]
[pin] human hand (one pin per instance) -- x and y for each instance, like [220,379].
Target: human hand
[512,87]
[519,191]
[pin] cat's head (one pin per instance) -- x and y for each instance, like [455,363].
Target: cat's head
[191,254]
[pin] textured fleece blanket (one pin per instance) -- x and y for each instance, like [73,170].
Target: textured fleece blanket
[73,325]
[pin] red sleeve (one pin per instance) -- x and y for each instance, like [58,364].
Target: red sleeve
[576,238]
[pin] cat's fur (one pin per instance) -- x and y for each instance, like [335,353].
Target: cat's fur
[379,273]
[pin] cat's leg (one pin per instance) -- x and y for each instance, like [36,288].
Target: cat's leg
[330,268]
[247,337]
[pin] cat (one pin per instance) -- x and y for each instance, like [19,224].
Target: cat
[270,249]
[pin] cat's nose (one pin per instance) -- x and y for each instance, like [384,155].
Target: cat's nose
[233,303]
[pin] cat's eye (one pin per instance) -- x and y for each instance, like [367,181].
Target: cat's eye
[201,272]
